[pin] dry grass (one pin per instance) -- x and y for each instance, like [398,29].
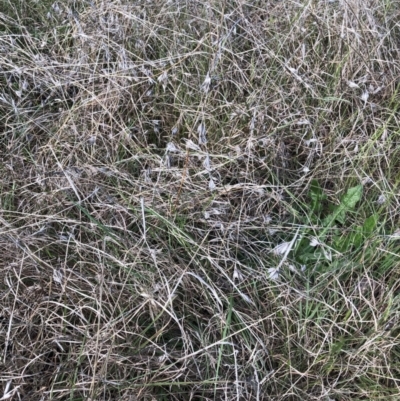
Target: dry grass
[154,158]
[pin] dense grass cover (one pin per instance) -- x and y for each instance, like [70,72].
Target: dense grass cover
[199,200]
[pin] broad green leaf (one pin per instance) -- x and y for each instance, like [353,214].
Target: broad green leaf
[357,237]
[370,225]
[347,203]
[352,196]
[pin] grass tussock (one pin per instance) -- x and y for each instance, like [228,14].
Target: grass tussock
[199,201]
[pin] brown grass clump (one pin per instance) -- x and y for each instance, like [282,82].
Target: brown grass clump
[158,161]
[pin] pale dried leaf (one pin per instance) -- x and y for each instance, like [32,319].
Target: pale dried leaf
[273,273]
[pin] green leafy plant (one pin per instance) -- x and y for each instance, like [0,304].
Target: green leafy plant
[325,236]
